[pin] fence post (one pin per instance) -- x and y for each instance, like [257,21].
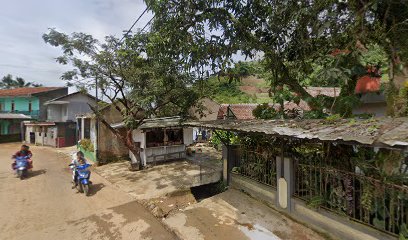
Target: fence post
[285,183]
[229,161]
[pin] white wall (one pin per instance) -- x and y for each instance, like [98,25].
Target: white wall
[188,136]
[54,113]
[139,136]
[78,105]
[27,133]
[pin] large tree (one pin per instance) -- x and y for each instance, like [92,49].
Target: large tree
[137,85]
[8,82]
[291,36]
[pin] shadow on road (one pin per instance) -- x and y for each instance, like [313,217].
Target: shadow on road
[35,173]
[95,188]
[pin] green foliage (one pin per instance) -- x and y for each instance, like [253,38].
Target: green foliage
[8,82]
[87,145]
[265,111]
[221,137]
[297,50]
[333,118]
[223,92]
[315,202]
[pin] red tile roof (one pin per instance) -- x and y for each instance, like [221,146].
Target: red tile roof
[367,84]
[240,111]
[27,91]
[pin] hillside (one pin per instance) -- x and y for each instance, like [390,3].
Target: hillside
[251,89]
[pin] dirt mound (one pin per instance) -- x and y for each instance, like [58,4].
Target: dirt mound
[252,81]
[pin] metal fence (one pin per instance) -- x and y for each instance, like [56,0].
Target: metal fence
[258,167]
[383,206]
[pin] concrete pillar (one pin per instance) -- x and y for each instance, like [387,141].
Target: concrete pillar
[285,182]
[82,128]
[230,157]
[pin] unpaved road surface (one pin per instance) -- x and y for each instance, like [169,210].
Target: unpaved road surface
[44,206]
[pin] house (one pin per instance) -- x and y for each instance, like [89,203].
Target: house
[243,111]
[59,128]
[101,138]
[161,139]
[208,112]
[314,171]
[21,104]
[372,100]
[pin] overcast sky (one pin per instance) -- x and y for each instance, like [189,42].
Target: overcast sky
[23,53]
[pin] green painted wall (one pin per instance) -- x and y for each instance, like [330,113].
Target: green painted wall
[4,127]
[21,104]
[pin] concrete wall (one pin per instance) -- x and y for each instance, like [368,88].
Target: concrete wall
[154,151]
[44,97]
[188,136]
[321,220]
[55,112]
[20,103]
[50,136]
[139,136]
[29,129]
[78,105]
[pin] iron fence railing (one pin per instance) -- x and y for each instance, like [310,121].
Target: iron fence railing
[383,206]
[258,167]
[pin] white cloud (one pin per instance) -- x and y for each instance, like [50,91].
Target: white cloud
[24,53]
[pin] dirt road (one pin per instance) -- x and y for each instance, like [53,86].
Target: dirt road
[44,206]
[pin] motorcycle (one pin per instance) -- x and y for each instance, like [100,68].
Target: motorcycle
[21,167]
[82,181]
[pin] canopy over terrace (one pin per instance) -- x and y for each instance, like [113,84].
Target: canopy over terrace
[377,132]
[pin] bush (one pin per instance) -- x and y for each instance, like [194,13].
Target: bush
[87,145]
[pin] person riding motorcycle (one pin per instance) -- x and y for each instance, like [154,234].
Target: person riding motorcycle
[77,160]
[24,152]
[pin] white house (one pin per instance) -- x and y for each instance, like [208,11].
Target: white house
[66,108]
[161,139]
[59,128]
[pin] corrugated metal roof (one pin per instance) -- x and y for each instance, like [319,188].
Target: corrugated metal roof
[165,122]
[392,132]
[13,116]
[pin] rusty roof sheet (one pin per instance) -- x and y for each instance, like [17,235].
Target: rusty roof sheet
[391,132]
[26,91]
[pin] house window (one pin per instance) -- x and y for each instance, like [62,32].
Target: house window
[155,138]
[30,106]
[12,106]
[87,128]
[164,137]
[174,136]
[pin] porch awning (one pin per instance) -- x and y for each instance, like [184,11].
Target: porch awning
[381,132]
[56,102]
[166,122]
[13,116]
[40,124]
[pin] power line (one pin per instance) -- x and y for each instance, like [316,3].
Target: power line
[148,23]
[130,29]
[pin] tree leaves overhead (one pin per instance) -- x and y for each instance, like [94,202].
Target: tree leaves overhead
[292,36]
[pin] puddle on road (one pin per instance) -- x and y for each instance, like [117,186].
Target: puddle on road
[257,232]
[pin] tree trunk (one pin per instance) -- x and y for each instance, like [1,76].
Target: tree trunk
[127,141]
[135,150]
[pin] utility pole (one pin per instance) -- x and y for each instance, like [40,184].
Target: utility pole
[97,121]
